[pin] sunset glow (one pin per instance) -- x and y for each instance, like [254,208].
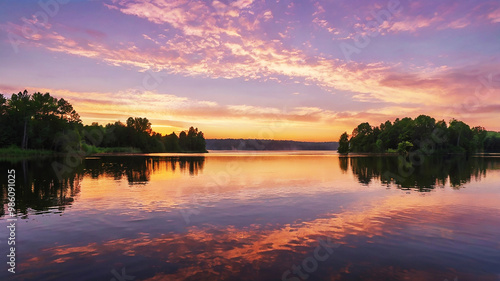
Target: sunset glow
[281,69]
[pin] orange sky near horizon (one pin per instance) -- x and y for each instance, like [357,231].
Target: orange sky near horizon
[289,70]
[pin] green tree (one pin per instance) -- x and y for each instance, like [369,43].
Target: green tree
[35,121]
[41,121]
[404,146]
[479,135]
[423,133]
[3,105]
[492,142]
[343,143]
[362,138]
[460,135]
[21,111]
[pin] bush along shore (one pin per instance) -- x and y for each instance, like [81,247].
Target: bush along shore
[422,133]
[41,125]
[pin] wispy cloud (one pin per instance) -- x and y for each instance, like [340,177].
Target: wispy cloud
[494,16]
[293,43]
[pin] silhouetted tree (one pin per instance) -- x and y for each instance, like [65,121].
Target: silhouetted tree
[183,142]
[171,143]
[40,121]
[35,121]
[141,125]
[343,143]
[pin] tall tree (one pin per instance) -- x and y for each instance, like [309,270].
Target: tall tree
[460,134]
[183,141]
[3,104]
[21,109]
[343,143]
[141,125]
[362,138]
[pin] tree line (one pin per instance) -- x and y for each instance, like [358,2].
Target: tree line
[42,122]
[261,144]
[137,133]
[422,133]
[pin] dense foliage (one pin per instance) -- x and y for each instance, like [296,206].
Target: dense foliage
[40,121]
[137,133]
[421,133]
[343,143]
[36,121]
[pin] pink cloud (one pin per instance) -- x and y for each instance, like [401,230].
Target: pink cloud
[494,16]
[253,58]
[414,24]
[210,42]
[459,23]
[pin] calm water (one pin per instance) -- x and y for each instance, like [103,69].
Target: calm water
[256,216]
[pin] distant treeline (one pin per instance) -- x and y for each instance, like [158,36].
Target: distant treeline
[42,122]
[137,133]
[422,133]
[257,144]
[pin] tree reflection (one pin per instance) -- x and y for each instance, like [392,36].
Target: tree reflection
[138,169]
[39,188]
[343,163]
[423,174]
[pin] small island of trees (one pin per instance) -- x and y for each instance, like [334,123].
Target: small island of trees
[422,133]
[40,122]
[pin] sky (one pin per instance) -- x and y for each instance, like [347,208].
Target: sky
[303,70]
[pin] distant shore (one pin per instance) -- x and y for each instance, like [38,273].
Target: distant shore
[267,145]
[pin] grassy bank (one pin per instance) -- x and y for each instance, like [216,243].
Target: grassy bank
[90,149]
[16,152]
[86,150]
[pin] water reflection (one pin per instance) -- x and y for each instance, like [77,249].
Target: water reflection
[421,174]
[39,188]
[138,169]
[381,242]
[255,217]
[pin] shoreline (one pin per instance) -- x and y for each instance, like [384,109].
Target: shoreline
[20,154]
[15,153]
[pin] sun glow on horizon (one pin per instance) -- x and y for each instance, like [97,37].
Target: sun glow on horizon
[299,71]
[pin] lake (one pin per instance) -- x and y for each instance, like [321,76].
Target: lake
[290,215]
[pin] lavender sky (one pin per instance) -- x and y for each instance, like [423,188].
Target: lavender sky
[281,69]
